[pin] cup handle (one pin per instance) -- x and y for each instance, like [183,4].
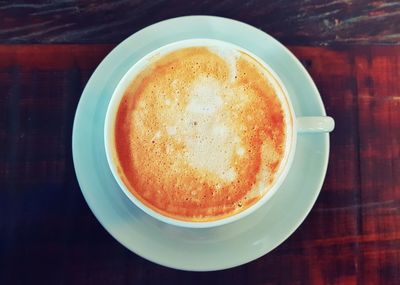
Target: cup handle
[315,124]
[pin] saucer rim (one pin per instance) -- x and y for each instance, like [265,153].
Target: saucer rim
[98,215]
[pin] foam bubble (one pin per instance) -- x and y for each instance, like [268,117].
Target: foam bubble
[240,151]
[156,136]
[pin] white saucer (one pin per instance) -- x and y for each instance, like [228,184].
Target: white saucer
[198,249]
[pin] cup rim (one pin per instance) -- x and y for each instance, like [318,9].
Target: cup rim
[136,68]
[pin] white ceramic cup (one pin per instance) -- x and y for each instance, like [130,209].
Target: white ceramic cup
[294,125]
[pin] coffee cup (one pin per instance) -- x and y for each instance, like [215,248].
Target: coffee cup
[200,133]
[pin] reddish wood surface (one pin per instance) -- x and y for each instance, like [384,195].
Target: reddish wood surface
[306,22]
[48,234]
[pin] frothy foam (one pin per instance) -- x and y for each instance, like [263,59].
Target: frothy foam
[230,56]
[200,134]
[208,136]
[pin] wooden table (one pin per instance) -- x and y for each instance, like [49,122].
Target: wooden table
[49,49]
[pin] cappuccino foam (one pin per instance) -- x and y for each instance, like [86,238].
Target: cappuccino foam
[200,133]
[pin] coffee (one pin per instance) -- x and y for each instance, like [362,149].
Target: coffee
[200,133]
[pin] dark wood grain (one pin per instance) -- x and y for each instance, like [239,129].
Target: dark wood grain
[312,22]
[49,236]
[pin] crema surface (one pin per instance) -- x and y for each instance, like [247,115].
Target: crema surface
[200,133]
